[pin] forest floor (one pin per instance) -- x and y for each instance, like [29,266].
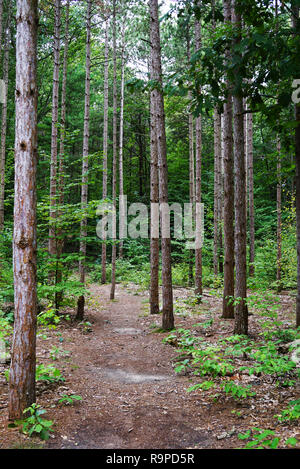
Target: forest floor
[131,396]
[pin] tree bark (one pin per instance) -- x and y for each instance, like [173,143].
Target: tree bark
[23,358]
[54,135]
[154,200]
[85,163]
[198,182]
[217,187]
[121,137]
[295,21]
[115,143]
[60,241]
[4,117]
[167,290]
[241,312]
[228,294]
[1,23]
[251,193]
[191,162]
[278,205]
[105,146]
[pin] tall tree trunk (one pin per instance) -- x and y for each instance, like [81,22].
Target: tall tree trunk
[198,182]
[167,290]
[4,117]
[85,162]
[115,144]
[60,241]
[295,21]
[23,359]
[251,193]
[105,146]
[191,161]
[121,177]
[217,172]
[154,200]
[278,205]
[1,24]
[54,134]
[217,187]
[241,312]
[228,294]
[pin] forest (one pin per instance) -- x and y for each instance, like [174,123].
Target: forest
[149,225]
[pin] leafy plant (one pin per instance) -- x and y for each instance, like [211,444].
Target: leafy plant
[48,373]
[69,399]
[48,318]
[264,439]
[237,391]
[35,424]
[290,414]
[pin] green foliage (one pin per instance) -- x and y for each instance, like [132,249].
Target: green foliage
[35,425]
[48,373]
[69,399]
[237,391]
[290,414]
[48,318]
[57,352]
[264,439]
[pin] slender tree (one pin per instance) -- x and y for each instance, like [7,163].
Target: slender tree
[121,137]
[23,356]
[251,193]
[278,205]
[115,145]
[85,161]
[167,290]
[154,200]
[228,294]
[4,116]
[295,24]
[1,21]
[61,167]
[198,182]
[105,143]
[241,312]
[191,158]
[54,133]
[217,187]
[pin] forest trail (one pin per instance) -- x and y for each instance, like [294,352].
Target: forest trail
[131,395]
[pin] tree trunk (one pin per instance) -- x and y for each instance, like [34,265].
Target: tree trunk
[228,294]
[198,182]
[278,205]
[217,187]
[121,177]
[54,134]
[115,143]
[191,163]
[251,193]
[4,117]
[241,312]
[297,153]
[85,163]
[167,290]
[60,241]
[23,358]
[1,24]
[154,199]
[105,146]
[295,20]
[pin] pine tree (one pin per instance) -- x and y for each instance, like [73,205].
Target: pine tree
[85,161]
[23,355]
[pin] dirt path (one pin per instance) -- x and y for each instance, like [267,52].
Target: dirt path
[131,396]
